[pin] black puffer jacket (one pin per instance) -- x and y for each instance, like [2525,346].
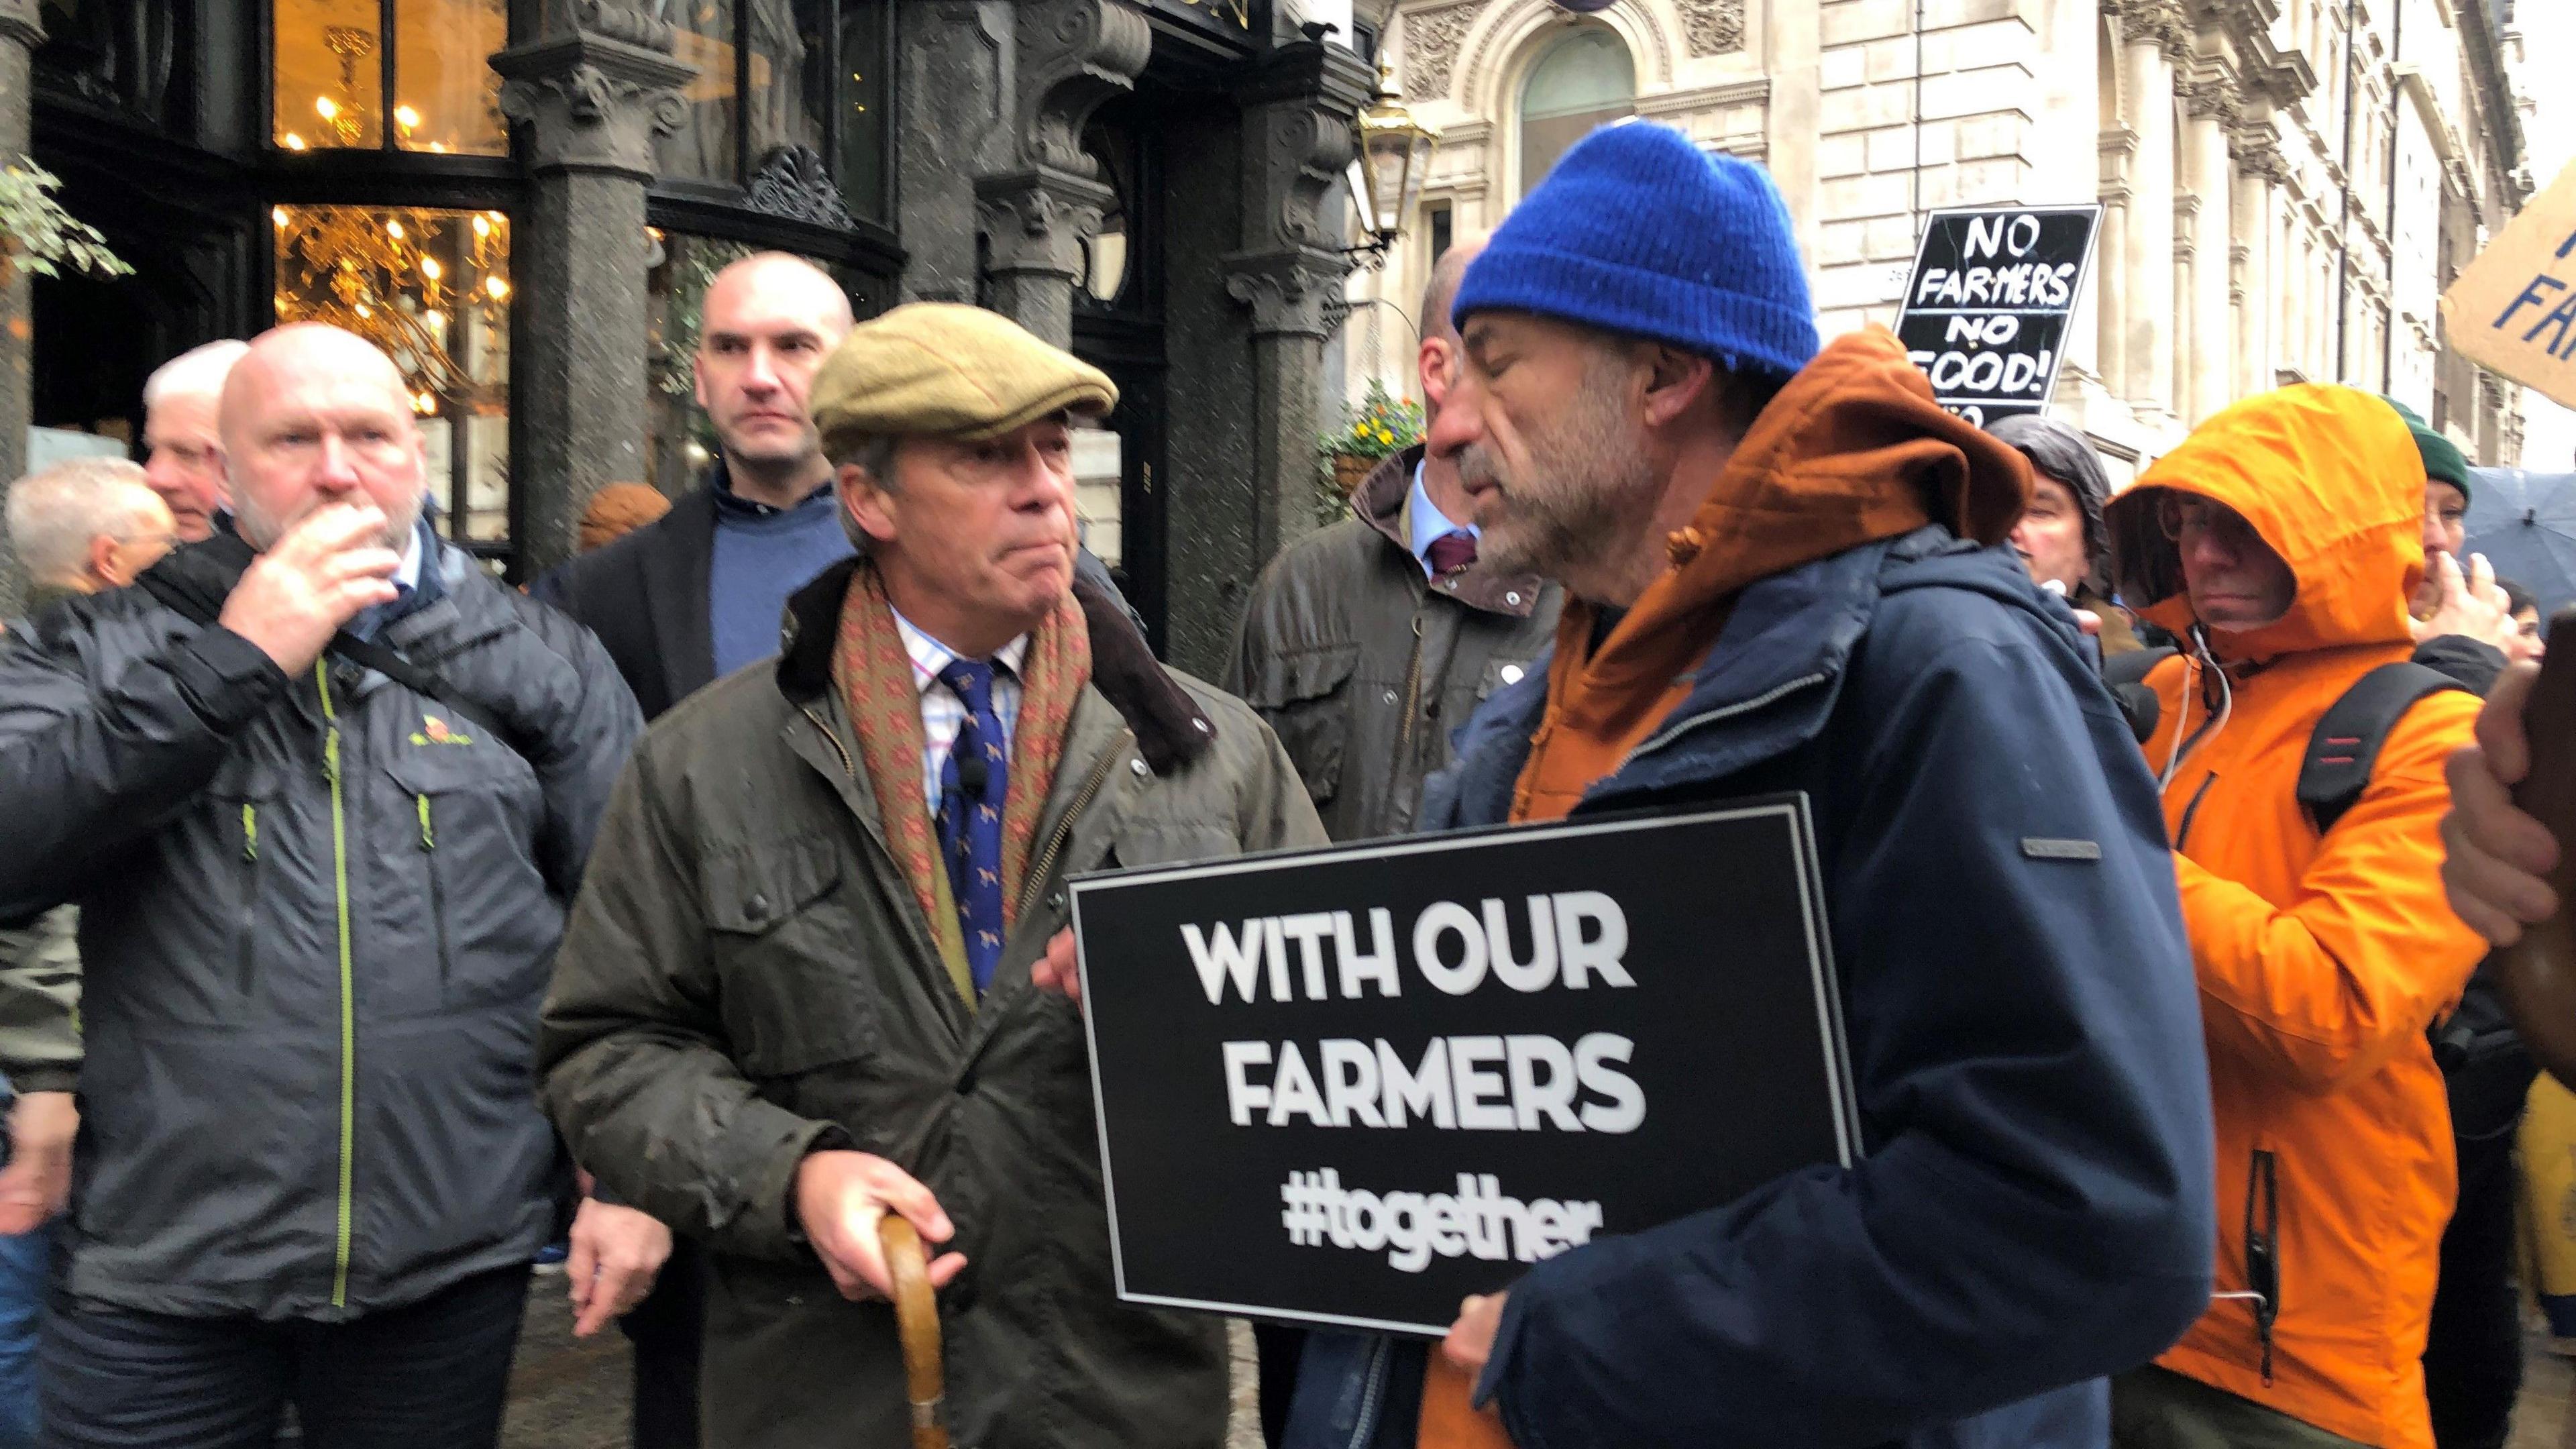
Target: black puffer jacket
[317,917]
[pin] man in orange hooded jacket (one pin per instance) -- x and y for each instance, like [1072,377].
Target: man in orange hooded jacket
[2282,541]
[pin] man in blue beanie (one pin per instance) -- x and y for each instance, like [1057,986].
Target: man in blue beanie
[1782,574]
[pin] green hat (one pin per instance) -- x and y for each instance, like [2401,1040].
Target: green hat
[942,369]
[2443,460]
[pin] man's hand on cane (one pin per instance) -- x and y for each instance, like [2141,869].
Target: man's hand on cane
[842,1196]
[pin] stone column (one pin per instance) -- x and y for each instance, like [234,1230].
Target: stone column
[2257,170]
[2110,264]
[1040,206]
[2212,111]
[1297,146]
[2152,36]
[20,33]
[592,95]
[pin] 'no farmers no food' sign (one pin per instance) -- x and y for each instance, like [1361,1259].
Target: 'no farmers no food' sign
[1986,310]
[1352,1086]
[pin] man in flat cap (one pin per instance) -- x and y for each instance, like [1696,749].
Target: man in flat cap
[796,993]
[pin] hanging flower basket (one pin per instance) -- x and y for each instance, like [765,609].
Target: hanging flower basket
[1350,470]
[1381,425]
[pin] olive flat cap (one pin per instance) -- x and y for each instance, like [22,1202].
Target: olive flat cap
[945,370]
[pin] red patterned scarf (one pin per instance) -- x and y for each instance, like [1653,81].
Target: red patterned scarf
[874,674]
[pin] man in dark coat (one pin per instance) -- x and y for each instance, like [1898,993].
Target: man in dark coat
[319,908]
[797,992]
[1781,576]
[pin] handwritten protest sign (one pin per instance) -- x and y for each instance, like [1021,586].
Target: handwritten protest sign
[1987,306]
[1351,1086]
[2514,309]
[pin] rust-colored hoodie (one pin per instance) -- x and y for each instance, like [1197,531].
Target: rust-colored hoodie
[2321,962]
[1851,451]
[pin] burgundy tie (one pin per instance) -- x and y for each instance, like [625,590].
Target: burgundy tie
[1451,552]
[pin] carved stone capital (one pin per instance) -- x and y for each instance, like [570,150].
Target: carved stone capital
[592,103]
[794,182]
[1297,292]
[1038,220]
[22,22]
[620,20]
[2156,22]
[2213,96]
[1431,42]
[1298,139]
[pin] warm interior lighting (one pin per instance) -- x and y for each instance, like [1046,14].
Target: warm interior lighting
[429,267]
[294,142]
[407,118]
[277,214]
[482,227]
[326,108]
[496,288]
[394,229]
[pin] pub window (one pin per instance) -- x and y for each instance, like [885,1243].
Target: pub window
[431,288]
[336,63]
[779,74]
[1583,82]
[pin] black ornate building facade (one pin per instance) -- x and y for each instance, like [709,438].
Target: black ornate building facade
[522,201]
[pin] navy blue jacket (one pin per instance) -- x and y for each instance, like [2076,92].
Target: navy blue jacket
[2035,1208]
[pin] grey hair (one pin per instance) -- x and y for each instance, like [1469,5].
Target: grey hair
[199,370]
[55,511]
[875,454]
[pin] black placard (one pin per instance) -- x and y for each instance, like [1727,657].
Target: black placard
[1986,307]
[1700,1056]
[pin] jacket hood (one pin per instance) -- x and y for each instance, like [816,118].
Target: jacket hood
[1852,450]
[2331,481]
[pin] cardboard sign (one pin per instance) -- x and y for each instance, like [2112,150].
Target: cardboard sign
[2514,309]
[1987,305]
[1352,1086]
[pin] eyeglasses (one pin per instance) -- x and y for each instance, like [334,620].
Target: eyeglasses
[2180,515]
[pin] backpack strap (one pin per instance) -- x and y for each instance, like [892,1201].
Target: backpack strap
[2345,744]
[197,594]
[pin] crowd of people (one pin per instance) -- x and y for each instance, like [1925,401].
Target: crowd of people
[375,930]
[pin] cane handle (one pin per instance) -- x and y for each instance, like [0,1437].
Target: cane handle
[916,1315]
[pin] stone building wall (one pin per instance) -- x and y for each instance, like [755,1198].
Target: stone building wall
[2287,184]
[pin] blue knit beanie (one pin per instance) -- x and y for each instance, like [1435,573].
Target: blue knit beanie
[1639,231]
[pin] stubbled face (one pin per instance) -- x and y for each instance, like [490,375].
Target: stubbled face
[763,333]
[2050,536]
[314,418]
[987,527]
[2234,579]
[183,460]
[1544,426]
[2446,530]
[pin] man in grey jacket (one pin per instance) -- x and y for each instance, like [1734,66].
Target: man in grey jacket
[796,994]
[1366,644]
[319,907]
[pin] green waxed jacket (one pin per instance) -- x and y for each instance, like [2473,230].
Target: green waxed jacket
[747,978]
[40,1047]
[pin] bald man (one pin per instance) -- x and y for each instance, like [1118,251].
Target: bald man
[697,595]
[324,792]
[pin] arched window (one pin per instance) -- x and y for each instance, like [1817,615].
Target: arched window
[1584,81]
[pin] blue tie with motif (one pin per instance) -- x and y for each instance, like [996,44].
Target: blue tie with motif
[970,817]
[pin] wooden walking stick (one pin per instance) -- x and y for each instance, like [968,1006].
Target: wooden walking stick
[2538,974]
[916,1316]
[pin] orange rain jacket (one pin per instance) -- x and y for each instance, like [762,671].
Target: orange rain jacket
[2321,962]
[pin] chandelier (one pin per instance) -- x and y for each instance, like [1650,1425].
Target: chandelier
[413,281]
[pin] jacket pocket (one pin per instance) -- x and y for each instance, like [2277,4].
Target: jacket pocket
[243,797]
[483,911]
[790,957]
[1305,695]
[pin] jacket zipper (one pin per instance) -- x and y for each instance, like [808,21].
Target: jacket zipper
[348,1005]
[2263,1249]
[849,771]
[249,920]
[2183,832]
[437,892]
[1372,1385]
[1045,859]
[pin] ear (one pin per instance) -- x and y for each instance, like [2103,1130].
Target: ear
[1436,366]
[868,503]
[698,380]
[1676,382]
[104,564]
